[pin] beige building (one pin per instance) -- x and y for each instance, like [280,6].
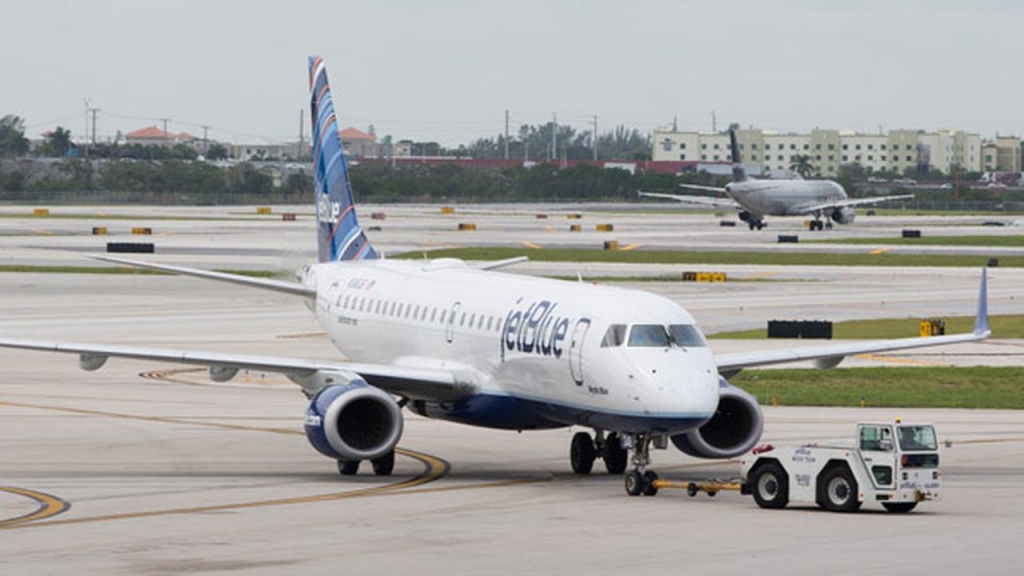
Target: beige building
[1002,154]
[895,151]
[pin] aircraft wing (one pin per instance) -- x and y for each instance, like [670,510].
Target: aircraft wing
[264,283]
[411,382]
[850,202]
[702,200]
[829,356]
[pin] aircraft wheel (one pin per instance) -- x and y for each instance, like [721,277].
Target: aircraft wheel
[348,467]
[634,483]
[616,457]
[649,488]
[582,453]
[384,465]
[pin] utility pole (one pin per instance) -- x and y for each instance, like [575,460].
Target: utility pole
[206,142]
[85,132]
[714,123]
[554,132]
[166,135]
[595,136]
[301,151]
[94,111]
[506,134]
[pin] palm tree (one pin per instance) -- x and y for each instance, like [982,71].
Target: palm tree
[801,164]
[12,136]
[58,142]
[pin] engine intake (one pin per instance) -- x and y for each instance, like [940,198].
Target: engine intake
[354,421]
[734,429]
[844,215]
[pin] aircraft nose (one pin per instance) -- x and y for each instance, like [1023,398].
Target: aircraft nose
[694,387]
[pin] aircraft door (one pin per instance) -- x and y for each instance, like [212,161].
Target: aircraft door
[579,333]
[449,325]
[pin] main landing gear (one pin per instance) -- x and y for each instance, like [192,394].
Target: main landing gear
[756,224]
[585,450]
[382,466]
[640,480]
[817,224]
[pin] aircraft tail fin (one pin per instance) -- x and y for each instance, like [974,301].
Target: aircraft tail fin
[339,236]
[739,173]
[981,326]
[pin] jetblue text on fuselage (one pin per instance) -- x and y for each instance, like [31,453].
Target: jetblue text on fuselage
[535,329]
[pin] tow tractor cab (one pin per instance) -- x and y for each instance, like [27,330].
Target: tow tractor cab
[895,464]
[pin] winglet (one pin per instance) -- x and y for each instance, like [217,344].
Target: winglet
[981,318]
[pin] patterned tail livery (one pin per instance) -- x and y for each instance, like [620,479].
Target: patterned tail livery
[339,236]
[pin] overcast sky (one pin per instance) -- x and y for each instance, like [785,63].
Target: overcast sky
[447,70]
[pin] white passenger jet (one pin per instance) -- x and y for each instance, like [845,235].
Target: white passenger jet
[452,340]
[756,199]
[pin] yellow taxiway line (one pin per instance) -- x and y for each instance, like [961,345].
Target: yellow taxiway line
[49,506]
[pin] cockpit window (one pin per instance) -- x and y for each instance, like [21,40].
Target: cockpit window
[659,336]
[615,336]
[648,335]
[686,335]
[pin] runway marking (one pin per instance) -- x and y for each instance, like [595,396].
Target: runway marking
[531,245]
[301,335]
[882,250]
[49,506]
[760,275]
[434,468]
[42,231]
[893,360]
[628,247]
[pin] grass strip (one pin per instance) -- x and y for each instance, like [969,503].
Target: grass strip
[1005,326]
[981,387]
[772,258]
[991,241]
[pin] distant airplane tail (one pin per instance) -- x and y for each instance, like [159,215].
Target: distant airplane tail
[339,236]
[739,174]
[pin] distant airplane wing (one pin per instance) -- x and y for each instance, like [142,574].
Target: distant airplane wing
[829,356]
[850,202]
[411,382]
[701,200]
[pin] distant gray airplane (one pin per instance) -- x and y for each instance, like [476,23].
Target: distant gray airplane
[756,199]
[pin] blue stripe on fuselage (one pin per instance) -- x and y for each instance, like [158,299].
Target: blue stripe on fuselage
[520,413]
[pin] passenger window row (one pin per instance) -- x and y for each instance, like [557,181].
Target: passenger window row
[419,312]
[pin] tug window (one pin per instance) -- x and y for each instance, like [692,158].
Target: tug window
[615,336]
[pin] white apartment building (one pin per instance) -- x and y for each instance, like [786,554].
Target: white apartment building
[827,150]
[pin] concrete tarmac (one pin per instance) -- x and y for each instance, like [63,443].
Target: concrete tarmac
[144,468]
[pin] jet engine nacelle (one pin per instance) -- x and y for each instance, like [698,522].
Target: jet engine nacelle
[354,421]
[734,429]
[745,216]
[844,215]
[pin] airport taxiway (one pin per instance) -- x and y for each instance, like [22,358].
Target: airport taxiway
[145,468]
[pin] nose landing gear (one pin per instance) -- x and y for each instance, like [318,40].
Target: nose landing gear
[641,481]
